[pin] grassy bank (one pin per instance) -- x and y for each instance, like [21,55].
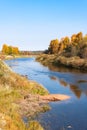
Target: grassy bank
[72,62]
[18,98]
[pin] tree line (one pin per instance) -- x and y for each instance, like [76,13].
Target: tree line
[74,46]
[9,50]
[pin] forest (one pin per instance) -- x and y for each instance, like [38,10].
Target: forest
[69,47]
[9,50]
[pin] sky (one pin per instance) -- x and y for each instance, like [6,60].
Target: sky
[32,24]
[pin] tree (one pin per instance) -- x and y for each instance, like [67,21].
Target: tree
[15,50]
[85,39]
[65,41]
[5,49]
[53,47]
[77,46]
[76,38]
[10,50]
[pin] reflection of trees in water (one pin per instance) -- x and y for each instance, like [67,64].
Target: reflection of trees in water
[53,77]
[74,88]
[86,92]
[65,69]
[63,83]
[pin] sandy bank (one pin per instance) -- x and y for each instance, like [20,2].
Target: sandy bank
[31,104]
[55,97]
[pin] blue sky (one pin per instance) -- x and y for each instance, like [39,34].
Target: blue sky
[32,24]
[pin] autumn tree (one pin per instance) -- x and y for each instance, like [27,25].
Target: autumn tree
[64,43]
[5,49]
[15,50]
[53,47]
[76,46]
[85,39]
[10,50]
[76,38]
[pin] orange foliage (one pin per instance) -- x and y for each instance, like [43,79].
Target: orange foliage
[10,50]
[58,47]
[76,38]
[53,47]
[5,49]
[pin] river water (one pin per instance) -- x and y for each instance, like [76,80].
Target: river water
[64,115]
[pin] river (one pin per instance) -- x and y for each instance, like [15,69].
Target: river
[64,115]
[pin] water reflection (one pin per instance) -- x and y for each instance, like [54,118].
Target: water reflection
[63,83]
[75,89]
[56,80]
[53,77]
[65,69]
[78,91]
[65,114]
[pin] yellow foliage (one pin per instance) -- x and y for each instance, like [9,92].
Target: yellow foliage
[9,50]
[76,38]
[5,49]
[53,47]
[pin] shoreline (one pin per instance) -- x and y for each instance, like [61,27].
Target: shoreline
[20,97]
[13,89]
[61,61]
[8,57]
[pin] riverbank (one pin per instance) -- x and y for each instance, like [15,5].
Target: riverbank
[13,89]
[72,62]
[7,57]
[19,98]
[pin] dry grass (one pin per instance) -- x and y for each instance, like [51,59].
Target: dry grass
[72,62]
[13,89]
